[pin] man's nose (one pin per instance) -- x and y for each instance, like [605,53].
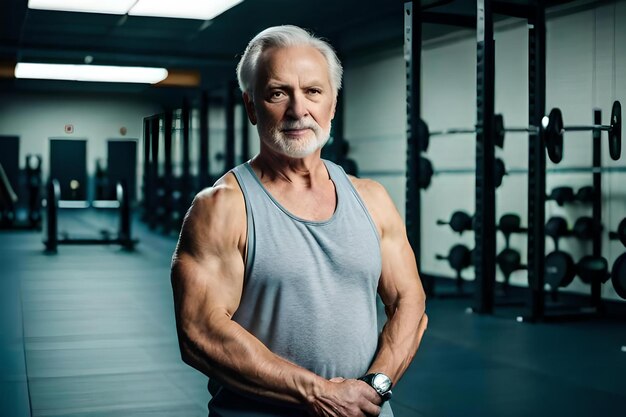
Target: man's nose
[297,108]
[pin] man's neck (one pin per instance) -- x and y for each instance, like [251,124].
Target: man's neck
[307,172]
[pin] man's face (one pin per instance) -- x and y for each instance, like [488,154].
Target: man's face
[293,102]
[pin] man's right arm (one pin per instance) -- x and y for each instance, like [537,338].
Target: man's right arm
[207,280]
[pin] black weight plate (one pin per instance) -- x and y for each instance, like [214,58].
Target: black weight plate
[509,261]
[459,257]
[615,134]
[621,231]
[499,172]
[498,122]
[554,136]
[559,269]
[585,194]
[460,221]
[584,228]
[423,133]
[562,195]
[618,276]
[509,223]
[425,173]
[556,227]
[592,269]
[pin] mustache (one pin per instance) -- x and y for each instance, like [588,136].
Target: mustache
[298,124]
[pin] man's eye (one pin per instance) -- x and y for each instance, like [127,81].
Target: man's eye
[277,94]
[315,91]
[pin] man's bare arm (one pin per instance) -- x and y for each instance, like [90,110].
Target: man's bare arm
[400,287]
[207,281]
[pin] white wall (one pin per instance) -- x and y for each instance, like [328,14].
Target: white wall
[97,118]
[586,68]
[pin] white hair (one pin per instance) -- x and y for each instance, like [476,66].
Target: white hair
[281,37]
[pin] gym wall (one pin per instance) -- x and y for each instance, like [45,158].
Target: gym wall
[585,69]
[36,117]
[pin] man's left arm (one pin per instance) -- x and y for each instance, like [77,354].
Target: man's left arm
[399,287]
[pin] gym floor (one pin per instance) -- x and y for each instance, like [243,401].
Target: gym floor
[90,332]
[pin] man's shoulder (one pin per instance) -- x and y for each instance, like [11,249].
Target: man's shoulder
[222,204]
[368,188]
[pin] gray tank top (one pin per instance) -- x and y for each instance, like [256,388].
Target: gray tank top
[310,287]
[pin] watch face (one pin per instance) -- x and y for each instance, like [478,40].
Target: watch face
[381,382]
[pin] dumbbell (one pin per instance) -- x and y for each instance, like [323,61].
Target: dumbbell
[510,223]
[564,195]
[459,258]
[592,269]
[460,222]
[509,261]
[584,229]
[620,234]
[560,269]
[618,275]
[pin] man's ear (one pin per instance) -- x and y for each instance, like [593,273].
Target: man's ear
[247,101]
[332,116]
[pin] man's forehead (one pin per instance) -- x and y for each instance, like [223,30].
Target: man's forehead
[305,60]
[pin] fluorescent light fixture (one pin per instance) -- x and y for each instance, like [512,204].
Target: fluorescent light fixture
[87,6]
[98,73]
[184,9]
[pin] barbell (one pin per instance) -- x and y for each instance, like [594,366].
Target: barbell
[552,129]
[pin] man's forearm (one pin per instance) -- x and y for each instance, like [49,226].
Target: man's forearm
[400,339]
[234,357]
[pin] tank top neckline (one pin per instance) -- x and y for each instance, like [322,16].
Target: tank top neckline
[338,199]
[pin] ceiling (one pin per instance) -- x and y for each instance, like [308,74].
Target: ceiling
[211,47]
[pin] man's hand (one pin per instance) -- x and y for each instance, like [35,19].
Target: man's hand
[346,398]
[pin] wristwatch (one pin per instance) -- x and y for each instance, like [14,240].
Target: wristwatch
[380,382]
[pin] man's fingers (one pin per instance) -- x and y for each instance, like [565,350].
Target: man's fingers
[337,379]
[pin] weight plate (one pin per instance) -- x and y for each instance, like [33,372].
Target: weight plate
[460,221]
[615,134]
[423,134]
[585,194]
[621,231]
[592,269]
[562,195]
[559,269]
[509,223]
[554,136]
[618,275]
[459,257]
[556,227]
[509,261]
[498,122]
[425,173]
[499,172]
[584,228]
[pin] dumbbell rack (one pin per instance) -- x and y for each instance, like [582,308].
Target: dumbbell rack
[540,310]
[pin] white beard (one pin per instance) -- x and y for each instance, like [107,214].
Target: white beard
[279,142]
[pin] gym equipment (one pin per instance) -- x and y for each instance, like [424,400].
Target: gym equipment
[592,269]
[426,172]
[552,130]
[585,194]
[618,275]
[585,228]
[620,234]
[556,228]
[509,261]
[459,258]
[124,235]
[560,269]
[460,222]
[509,224]
[561,195]
[555,128]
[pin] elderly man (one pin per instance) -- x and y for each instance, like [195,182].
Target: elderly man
[278,265]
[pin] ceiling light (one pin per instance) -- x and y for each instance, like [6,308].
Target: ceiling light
[184,9]
[88,6]
[97,73]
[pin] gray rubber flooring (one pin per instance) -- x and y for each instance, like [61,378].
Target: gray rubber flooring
[90,332]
